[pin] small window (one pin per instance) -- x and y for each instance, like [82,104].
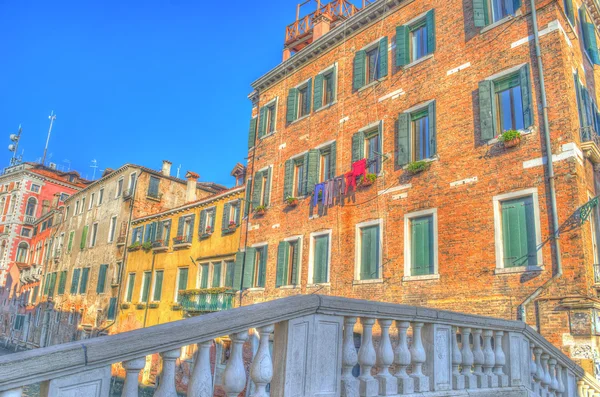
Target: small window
[216,275]
[372,65]
[268,119]
[373,151]
[509,104]
[261,189]
[63,197]
[229,273]
[487,12]
[260,267]
[518,232]
[145,290]
[76,208]
[119,188]
[299,101]
[320,259]
[102,273]
[92,200]
[82,206]
[100,196]
[369,251]
[325,88]
[288,263]
[132,178]
[420,244]
[35,188]
[75,281]
[93,235]
[84,280]
[31,206]
[299,178]
[207,221]
[112,229]
[325,165]
[26,232]
[153,187]
[303,101]
[130,285]
[204,273]
[422,136]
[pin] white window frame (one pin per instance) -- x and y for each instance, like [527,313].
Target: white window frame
[176,295]
[497,201]
[153,289]
[300,240]
[93,235]
[129,275]
[142,288]
[120,180]
[112,229]
[82,208]
[267,185]
[311,259]
[35,184]
[92,199]
[101,195]
[259,245]
[333,67]
[407,244]
[199,275]
[276,101]
[129,184]
[358,250]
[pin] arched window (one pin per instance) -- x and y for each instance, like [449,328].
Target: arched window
[22,252]
[31,204]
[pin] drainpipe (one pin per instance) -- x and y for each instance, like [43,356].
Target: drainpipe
[551,176]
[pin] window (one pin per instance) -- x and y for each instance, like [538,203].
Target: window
[130,285]
[231,216]
[150,234]
[56,316]
[505,103]
[19,321]
[85,272]
[31,206]
[487,12]
[207,221]
[131,182]
[420,245]
[368,251]
[325,169]
[163,232]
[153,186]
[589,35]
[22,252]
[35,188]
[568,4]
[216,275]
[100,196]
[267,120]
[299,101]
[67,212]
[25,232]
[137,235]
[117,275]
[75,281]
[157,287]
[185,227]
[82,208]
[594,231]
[417,134]
[119,188]
[299,178]
[94,235]
[112,309]
[204,273]
[367,144]
[182,281]
[589,118]
[71,237]
[517,225]
[370,64]
[63,197]
[415,40]
[262,188]
[50,284]
[101,279]
[92,200]
[319,258]
[288,262]
[259,267]
[145,290]
[325,88]
[229,273]
[76,208]
[112,229]
[62,282]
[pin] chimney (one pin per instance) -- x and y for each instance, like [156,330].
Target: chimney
[166,168]
[192,181]
[322,25]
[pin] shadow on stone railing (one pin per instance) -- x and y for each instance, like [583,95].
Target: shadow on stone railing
[314,354]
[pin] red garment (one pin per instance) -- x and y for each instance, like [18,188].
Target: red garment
[359,168]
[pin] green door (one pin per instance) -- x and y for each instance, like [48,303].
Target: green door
[422,246]
[321,259]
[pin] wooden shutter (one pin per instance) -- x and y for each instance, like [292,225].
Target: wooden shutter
[248,280]
[225,218]
[237,274]
[262,267]
[312,170]
[292,105]
[202,225]
[257,189]
[101,279]
[183,279]
[369,253]
[216,276]
[288,183]
[62,282]
[486,110]
[75,281]
[358,146]
[321,259]
[267,192]
[589,37]
[238,203]
[295,262]
[283,251]
[158,286]
[526,96]
[479,13]
[83,237]
[516,5]
[318,95]
[112,309]
[422,246]
[213,218]
[252,132]
[180,224]
[359,77]
[430,22]
[402,45]
[71,236]
[146,286]
[332,161]
[84,280]
[432,130]
[262,128]
[308,100]
[159,230]
[248,198]
[192,221]
[229,274]
[569,10]
[130,286]
[148,232]
[518,233]
[383,57]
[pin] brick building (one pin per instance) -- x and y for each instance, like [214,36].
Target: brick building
[447,215]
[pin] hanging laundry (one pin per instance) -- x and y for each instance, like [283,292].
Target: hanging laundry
[339,186]
[329,192]
[359,168]
[319,187]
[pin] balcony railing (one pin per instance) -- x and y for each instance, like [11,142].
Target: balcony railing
[590,143]
[206,301]
[29,220]
[314,354]
[181,241]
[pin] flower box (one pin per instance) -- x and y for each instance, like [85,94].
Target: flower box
[140,306]
[134,247]
[512,143]
[153,305]
[125,305]
[176,307]
[292,202]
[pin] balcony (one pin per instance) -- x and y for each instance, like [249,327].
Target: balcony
[29,220]
[207,300]
[160,245]
[590,144]
[182,242]
[127,194]
[154,196]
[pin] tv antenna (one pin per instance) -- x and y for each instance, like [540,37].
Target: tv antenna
[52,117]
[178,170]
[13,147]
[95,167]
[68,164]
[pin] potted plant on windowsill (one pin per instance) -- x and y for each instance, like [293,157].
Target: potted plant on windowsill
[176,306]
[135,246]
[292,201]
[147,246]
[140,306]
[260,210]
[232,226]
[418,166]
[125,305]
[368,180]
[511,138]
[153,305]
[179,239]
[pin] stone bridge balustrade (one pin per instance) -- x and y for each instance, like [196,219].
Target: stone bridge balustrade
[404,350]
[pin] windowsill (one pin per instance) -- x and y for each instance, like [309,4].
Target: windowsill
[427,160]
[527,131]
[371,84]
[153,198]
[326,106]
[418,61]
[267,135]
[500,22]
[421,278]
[318,285]
[519,269]
[299,119]
[256,289]
[289,287]
[373,281]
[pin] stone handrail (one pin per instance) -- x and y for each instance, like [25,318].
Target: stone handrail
[321,327]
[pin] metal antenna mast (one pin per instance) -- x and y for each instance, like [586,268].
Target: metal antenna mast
[13,147]
[95,167]
[52,117]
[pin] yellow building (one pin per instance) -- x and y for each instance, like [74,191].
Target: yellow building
[193,248]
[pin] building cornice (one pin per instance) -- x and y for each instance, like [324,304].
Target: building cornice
[359,21]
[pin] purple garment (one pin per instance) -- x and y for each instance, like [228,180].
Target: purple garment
[329,192]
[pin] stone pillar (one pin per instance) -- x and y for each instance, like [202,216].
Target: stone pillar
[94,383]
[437,339]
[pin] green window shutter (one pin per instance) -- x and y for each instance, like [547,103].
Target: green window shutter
[262,127]
[430,21]
[230,274]
[85,272]
[516,4]
[248,198]
[518,232]
[71,236]
[403,144]
[283,251]
[62,282]
[238,203]
[292,105]
[202,225]
[225,218]
[369,264]
[432,129]
[101,279]
[318,95]
[569,10]
[358,146]
[148,233]
[359,77]
[158,286]
[383,57]
[248,280]
[262,267]
[312,170]
[526,96]
[83,237]
[402,45]
[213,219]
[216,278]
[295,261]
[237,274]
[130,285]
[146,286]
[180,225]
[288,183]
[252,132]
[422,246]
[332,160]
[183,278]
[257,189]
[321,259]
[486,110]
[192,221]
[308,96]
[112,309]
[589,37]
[75,281]
[52,284]
[160,226]
[480,12]
[267,192]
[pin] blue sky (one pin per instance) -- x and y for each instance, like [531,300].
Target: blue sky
[136,80]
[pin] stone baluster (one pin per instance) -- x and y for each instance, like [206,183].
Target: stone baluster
[234,376]
[201,379]
[18,392]
[349,360]
[546,380]
[166,387]
[458,380]
[388,385]
[561,384]
[553,380]
[532,366]
[479,360]
[132,372]
[582,389]
[368,385]
[489,359]
[539,374]
[261,370]
[402,360]
[417,352]
[500,359]
[467,360]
